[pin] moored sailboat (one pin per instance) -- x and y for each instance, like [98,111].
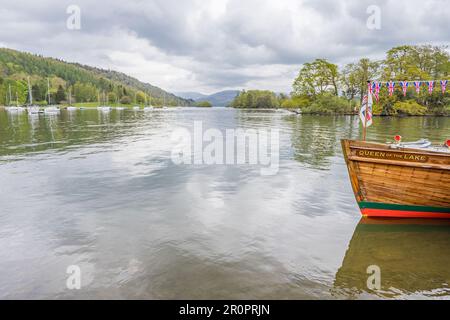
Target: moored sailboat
[51,109]
[148,107]
[104,108]
[11,108]
[32,109]
[70,107]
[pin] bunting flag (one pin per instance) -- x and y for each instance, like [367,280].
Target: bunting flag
[417,84]
[366,107]
[377,90]
[443,85]
[430,86]
[391,87]
[404,85]
[374,87]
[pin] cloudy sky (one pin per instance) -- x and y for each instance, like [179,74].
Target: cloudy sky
[211,45]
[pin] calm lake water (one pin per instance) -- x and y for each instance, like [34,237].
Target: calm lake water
[100,191]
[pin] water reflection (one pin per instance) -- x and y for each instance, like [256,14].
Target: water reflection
[412,256]
[315,140]
[100,190]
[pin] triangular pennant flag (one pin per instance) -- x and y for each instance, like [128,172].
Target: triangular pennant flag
[430,86]
[391,87]
[417,84]
[404,85]
[444,85]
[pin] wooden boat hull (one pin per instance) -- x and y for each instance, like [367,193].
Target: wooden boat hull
[401,182]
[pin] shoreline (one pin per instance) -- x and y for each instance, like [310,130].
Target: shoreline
[293,111]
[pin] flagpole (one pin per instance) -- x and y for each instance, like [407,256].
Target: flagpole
[367,109]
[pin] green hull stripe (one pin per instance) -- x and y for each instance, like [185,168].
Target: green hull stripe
[401,207]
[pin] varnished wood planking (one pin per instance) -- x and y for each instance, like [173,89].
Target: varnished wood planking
[430,181]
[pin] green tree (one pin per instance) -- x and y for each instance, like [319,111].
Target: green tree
[204,104]
[255,99]
[60,95]
[354,77]
[140,97]
[125,100]
[112,97]
[317,77]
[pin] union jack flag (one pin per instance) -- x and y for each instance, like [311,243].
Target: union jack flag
[430,86]
[443,85]
[404,85]
[417,84]
[369,87]
[391,87]
[377,88]
[365,113]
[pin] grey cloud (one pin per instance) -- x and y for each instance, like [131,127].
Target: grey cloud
[223,48]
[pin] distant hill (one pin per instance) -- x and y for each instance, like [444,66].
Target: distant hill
[218,99]
[191,95]
[222,98]
[85,82]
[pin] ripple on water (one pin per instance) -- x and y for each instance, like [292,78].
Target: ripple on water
[100,191]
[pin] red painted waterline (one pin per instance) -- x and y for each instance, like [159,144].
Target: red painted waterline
[368,212]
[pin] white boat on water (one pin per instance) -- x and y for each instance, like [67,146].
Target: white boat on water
[136,108]
[120,108]
[71,108]
[33,109]
[148,108]
[105,109]
[14,109]
[51,110]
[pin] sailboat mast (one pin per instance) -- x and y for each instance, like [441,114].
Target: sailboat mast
[30,94]
[48,90]
[367,110]
[10,97]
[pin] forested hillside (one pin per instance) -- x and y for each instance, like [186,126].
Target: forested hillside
[86,84]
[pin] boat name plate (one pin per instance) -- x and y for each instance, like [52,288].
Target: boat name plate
[392,155]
